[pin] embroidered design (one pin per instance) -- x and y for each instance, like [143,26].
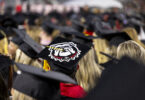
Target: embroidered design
[65,51]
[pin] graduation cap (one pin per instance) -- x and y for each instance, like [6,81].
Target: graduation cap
[64,54]
[137,24]
[122,81]
[32,18]
[77,36]
[116,38]
[9,22]
[26,44]
[38,83]
[20,18]
[5,32]
[78,26]
[49,27]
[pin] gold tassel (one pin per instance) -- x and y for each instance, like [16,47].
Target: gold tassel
[5,42]
[46,66]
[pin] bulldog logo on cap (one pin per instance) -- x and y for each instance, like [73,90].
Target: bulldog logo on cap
[65,51]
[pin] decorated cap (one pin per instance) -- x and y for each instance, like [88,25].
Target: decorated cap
[65,54]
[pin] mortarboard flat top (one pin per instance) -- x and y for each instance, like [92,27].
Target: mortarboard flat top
[64,53]
[78,26]
[26,44]
[122,81]
[49,27]
[38,83]
[38,72]
[71,31]
[9,22]
[116,38]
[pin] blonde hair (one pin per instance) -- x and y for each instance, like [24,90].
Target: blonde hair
[101,45]
[89,71]
[132,49]
[132,33]
[20,96]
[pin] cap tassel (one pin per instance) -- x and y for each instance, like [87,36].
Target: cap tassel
[46,66]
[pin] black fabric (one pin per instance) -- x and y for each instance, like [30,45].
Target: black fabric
[122,81]
[116,38]
[9,22]
[64,53]
[26,44]
[40,89]
[49,27]
[78,26]
[39,84]
[77,36]
[5,63]
[6,31]
[38,72]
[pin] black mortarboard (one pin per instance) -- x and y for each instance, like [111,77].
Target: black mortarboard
[65,54]
[116,38]
[26,44]
[9,22]
[77,36]
[78,26]
[20,18]
[132,22]
[6,24]
[38,83]
[5,32]
[32,18]
[49,27]
[122,81]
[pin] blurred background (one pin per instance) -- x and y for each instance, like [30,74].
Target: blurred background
[46,6]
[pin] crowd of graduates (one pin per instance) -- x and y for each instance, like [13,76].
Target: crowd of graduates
[93,54]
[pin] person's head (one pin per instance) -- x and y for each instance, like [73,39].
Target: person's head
[20,96]
[131,49]
[89,71]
